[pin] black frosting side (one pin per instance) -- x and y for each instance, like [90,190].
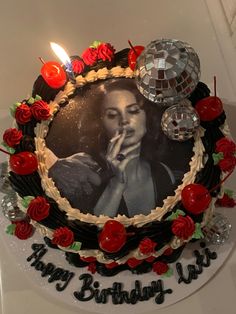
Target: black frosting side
[87,233]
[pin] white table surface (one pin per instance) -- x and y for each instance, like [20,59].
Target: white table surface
[26,27]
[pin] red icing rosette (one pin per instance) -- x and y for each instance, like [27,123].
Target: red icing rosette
[183,227]
[105,51]
[90,56]
[150,259]
[23,230]
[89,259]
[225,146]
[226,201]
[160,268]
[147,246]
[23,114]
[63,237]
[133,262]
[38,208]
[40,110]
[12,137]
[111,265]
[78,65]
[227,164]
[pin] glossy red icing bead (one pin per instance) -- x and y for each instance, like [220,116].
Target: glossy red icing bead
[53,74]
[112,237]
[195,198]
[23,163]
[209,108]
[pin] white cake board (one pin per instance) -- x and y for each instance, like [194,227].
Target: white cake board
[19,251]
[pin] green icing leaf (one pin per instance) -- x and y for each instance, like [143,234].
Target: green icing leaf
[13,108]
[180,212]
[11,150]
[37,97]
[30,101]
[198,232]
[95,44]
[217,157]
[76,246]
[175,215]
[11,229]
[168,274]
[230,193]
[26,200]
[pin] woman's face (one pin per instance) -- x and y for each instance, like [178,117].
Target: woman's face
[120,111]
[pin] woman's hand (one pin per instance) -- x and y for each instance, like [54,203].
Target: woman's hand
[119,158]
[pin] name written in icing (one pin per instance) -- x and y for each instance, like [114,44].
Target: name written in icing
[202,260]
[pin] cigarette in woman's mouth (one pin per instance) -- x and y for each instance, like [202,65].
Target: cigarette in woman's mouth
[115,138]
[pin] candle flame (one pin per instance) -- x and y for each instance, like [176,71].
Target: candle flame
[61,53]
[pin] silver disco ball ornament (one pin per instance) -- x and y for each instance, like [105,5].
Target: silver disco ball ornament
[217,231]
[179,122]
[10,209]
[167,71]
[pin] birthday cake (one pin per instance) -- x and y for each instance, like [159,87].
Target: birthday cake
[118,158]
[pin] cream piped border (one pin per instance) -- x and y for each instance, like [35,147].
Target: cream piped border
[41,130]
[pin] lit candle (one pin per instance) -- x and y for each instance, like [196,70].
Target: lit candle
[63,56]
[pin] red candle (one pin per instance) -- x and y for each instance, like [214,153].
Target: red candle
[53,74]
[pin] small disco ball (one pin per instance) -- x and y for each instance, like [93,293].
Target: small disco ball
[179,122]
[167,71]
[217,231]
[10,209]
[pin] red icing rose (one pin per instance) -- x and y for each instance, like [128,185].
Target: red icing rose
[147,246]
[12,137]
[92,268]
[183,227]
[23,230]
[226,146]
[226,201]
[90,56]
[105,51]
[63,237]
[23,114]
[78,66]
[160,268]
[89,259]
[227,164]
[168,251]
[150,259]
[38,209]
[111,265]
[133,262]
[40,110]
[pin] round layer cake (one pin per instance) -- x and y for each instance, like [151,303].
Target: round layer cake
[108,188]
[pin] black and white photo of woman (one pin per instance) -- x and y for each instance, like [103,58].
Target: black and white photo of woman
[114,166]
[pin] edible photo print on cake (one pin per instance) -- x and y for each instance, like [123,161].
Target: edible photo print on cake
[107,153]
